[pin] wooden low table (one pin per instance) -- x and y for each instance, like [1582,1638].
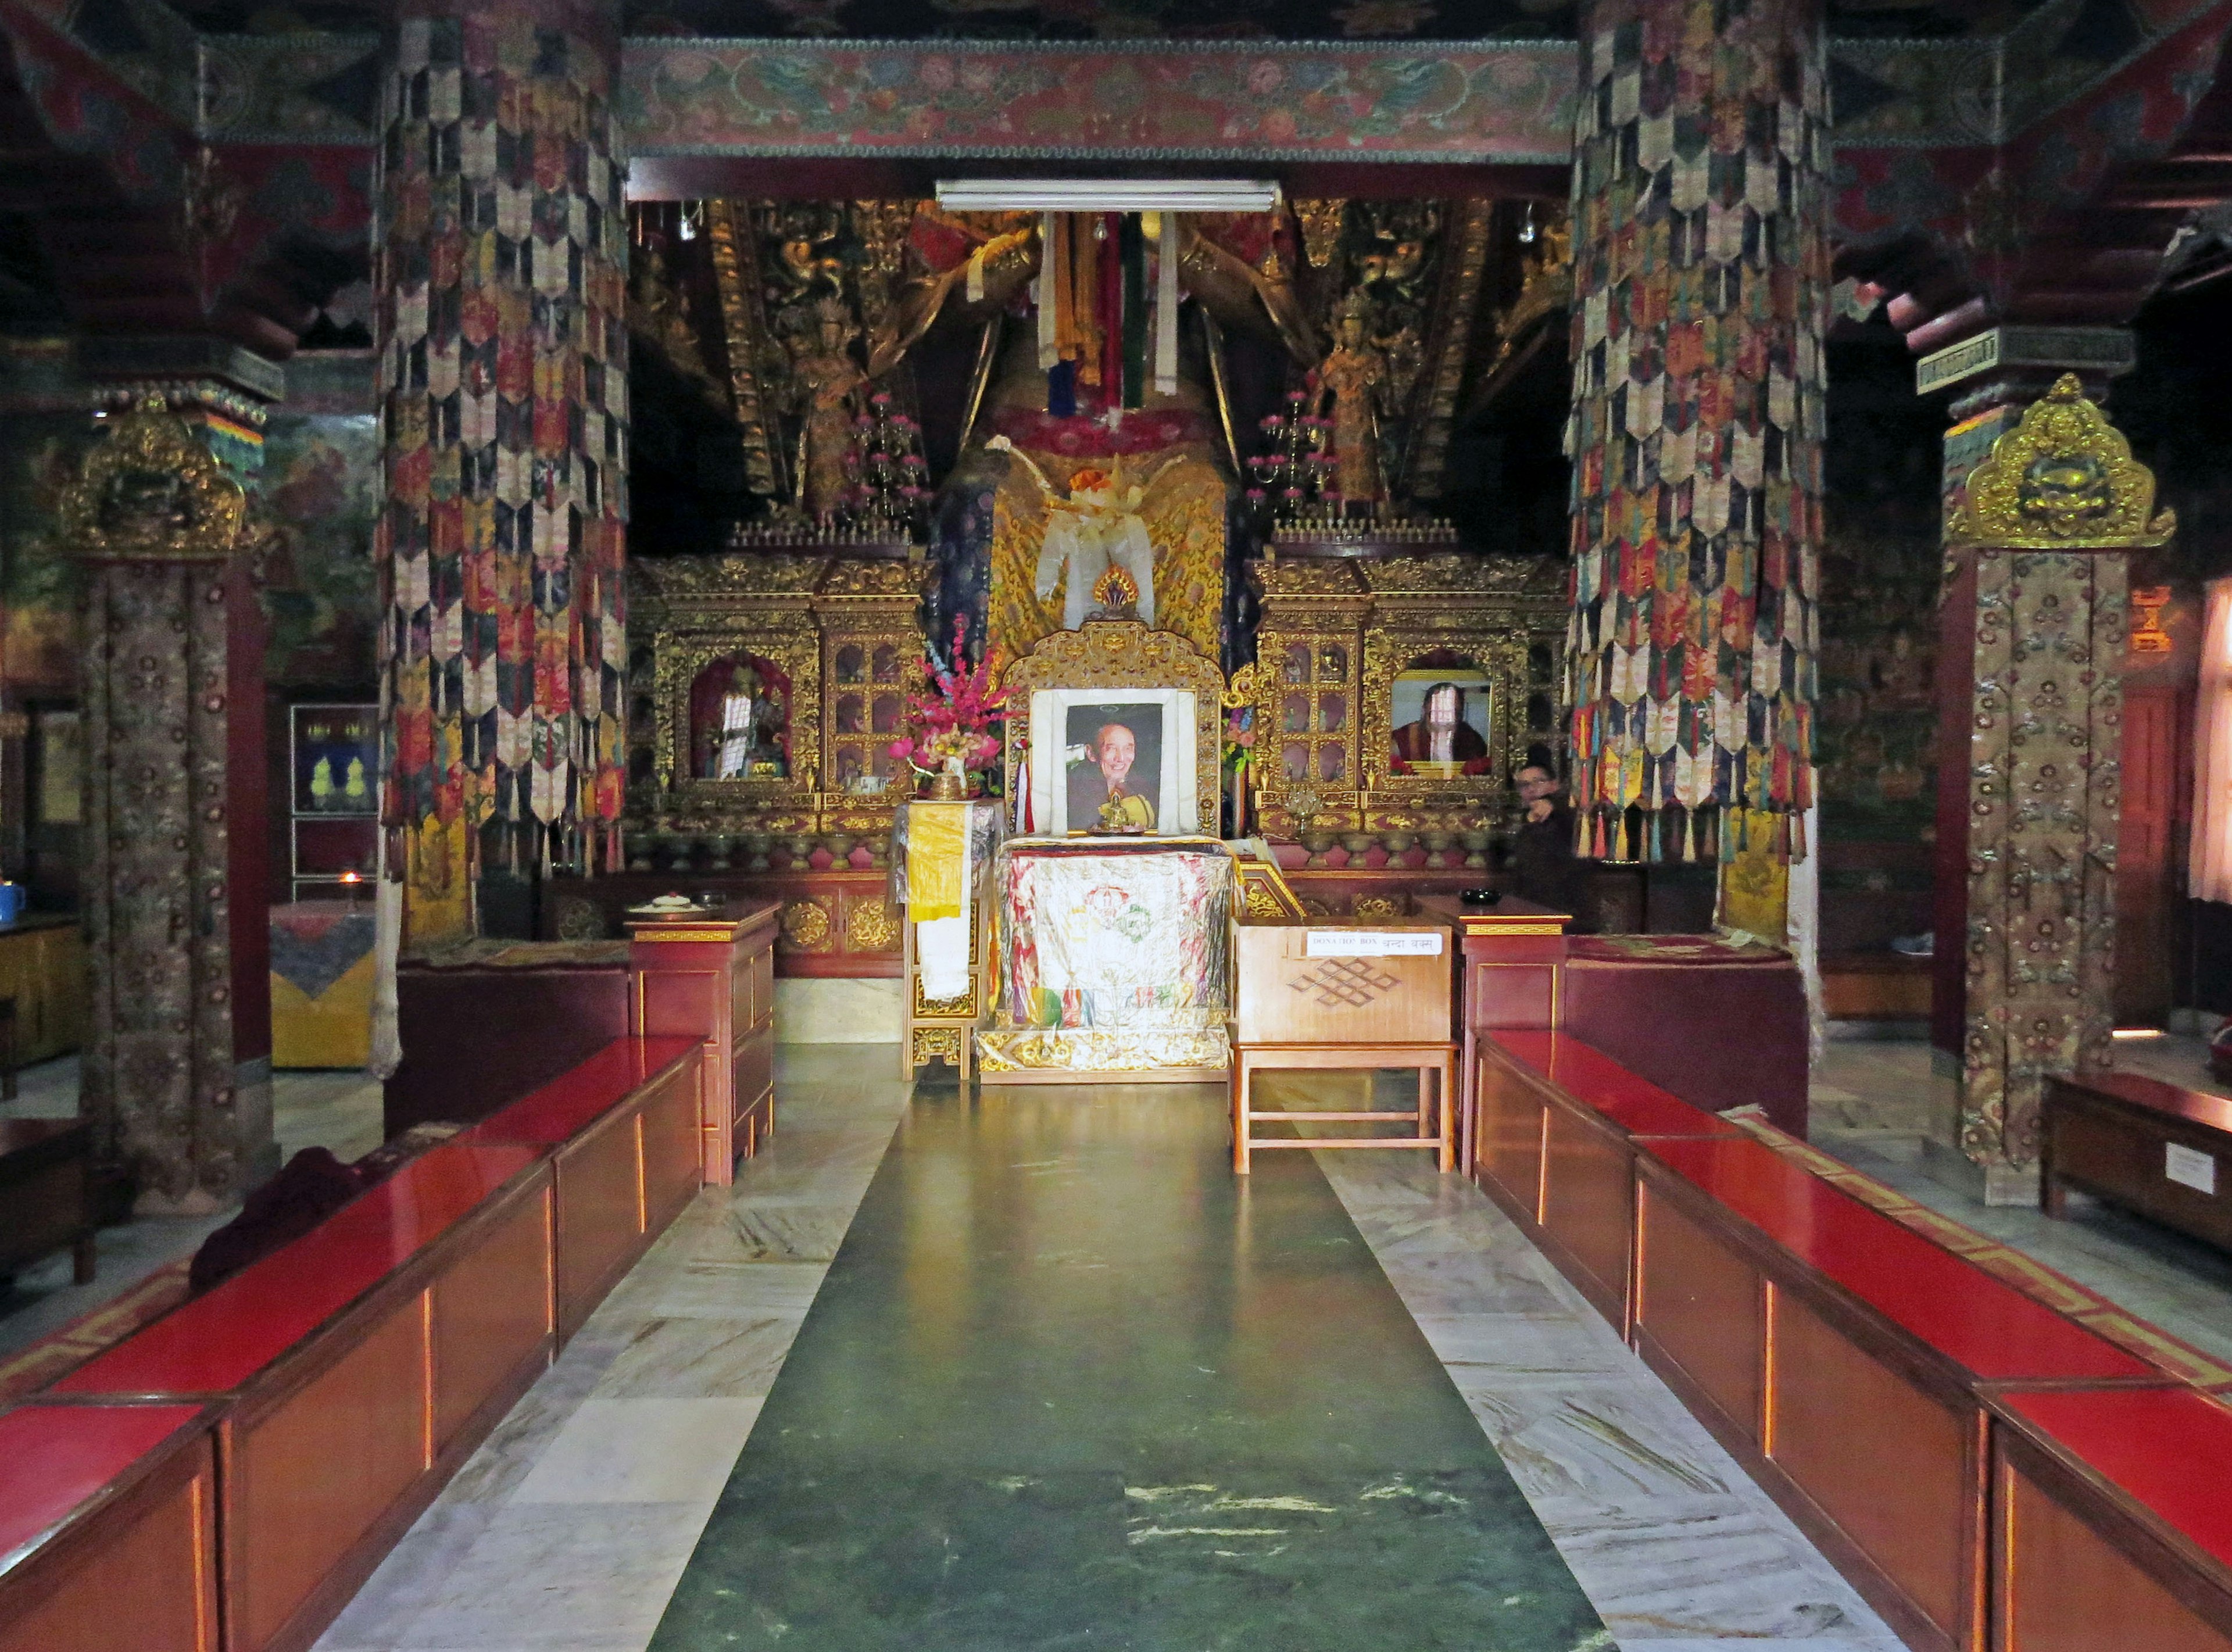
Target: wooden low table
[46,1192]
[2158,1149]
[1433,1122]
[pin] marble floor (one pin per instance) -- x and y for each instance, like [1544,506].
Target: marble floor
[572,1526]
[1868,1102]
[336,1110]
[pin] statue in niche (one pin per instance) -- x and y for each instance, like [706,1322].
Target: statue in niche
[1349,385]
[831,394]
[740,722]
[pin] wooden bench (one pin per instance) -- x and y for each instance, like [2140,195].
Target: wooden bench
[2156,1149]
[1564,1168]
[108,1529]
[1850,1364]
[353,1371]
[46,1195]
[2113,1528]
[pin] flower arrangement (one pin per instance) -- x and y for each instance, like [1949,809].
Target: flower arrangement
[953,732]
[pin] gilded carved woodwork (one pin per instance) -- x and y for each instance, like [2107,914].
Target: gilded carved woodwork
[1335,633]
[2063,479]
[152,491]
[1118,654]
[752,361]
[843,632]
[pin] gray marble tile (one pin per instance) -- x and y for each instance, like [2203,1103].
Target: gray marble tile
[1504,1347]
[1613,1442]
[414,1569]
[1674,1545]
[699,1357]
[653,1450]
[1721,1569]
[728,1292]
[558,1578]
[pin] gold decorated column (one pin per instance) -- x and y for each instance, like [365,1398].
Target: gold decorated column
[2036,549]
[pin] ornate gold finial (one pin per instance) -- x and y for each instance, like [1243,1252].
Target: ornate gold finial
[1241,690]
[152,492]
[1116,595]
[2063,479]
[1321,222]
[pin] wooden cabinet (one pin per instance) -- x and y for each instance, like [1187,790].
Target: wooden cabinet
[42,968]
[713,978]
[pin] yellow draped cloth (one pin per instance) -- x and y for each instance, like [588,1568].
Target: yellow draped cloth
[937,860]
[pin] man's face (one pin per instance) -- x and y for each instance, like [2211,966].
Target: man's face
[1535,783]
[1117,749]
[1441,708]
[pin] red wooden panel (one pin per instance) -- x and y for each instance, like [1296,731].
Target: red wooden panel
[1588,1200]
[2064,1588]
[1509,1144]
[671,1162]
[56,1459]
[490,1313]
[2169,1449]
[600,1216]
[304,1482]
[2144,861]
[1511,995]
[568,1104]
[1961,1311]
[1595,1080]
[139,1573]
[216,1343]
[1700,1303]
[1888,1462]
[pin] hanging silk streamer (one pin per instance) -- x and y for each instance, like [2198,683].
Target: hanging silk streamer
[1132,250]
[1111,320]
[1081,342]
[1167,309]
[1042,292]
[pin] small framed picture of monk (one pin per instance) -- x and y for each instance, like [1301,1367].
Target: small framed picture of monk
[1112,761]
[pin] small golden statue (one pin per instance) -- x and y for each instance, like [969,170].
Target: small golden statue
[1353,378]
[830,391]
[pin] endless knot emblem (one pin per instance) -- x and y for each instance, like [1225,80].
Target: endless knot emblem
[1353,981]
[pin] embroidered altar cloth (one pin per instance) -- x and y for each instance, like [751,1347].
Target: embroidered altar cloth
[1114,955]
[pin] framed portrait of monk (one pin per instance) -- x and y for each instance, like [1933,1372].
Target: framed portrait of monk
[1115,762]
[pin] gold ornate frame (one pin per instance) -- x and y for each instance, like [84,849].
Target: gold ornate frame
[795,611]
[1119,654]
[1387,611]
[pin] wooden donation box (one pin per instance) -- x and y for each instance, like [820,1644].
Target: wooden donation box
[1350,998]
[712,977]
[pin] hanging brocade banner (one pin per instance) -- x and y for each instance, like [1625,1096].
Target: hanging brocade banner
[1701,280]
[504,384]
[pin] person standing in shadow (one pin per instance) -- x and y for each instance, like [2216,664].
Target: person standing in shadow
[1542,865]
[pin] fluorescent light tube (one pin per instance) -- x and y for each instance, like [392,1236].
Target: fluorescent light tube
[1106,195]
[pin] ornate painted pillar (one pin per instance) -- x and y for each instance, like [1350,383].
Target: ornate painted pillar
[1701,269]
[502,253]
[2031,703]
[177,1071]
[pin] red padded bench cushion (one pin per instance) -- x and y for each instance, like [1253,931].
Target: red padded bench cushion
[215,1343]
[1990,1329]
[2169,1449]
[577,1097]
[54,1460]
[1600,1083]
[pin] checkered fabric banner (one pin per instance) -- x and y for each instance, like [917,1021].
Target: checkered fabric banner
[503,380]
[1701,267]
